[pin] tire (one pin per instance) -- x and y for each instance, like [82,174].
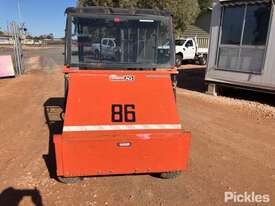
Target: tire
[69,180]
[96,55]
[179,59]
[203,60]
[169,175]
[174,84]
[117,56]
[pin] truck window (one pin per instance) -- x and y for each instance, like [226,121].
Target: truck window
[189,43]
[111,43]
[180,42]
[105,42]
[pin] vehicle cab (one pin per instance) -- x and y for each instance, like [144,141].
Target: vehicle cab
[186,48]
[116,39]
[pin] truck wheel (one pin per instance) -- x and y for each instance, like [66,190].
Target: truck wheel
[169,175]
[174,84]
[178,60]
[96,54]
[203,60]
[69,180]
[117,56]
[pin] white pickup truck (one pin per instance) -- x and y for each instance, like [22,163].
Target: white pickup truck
[108,49]
[188,49]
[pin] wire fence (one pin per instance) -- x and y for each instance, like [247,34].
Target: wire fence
[15,31]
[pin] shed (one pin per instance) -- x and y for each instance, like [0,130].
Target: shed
[242,45]
[200,28]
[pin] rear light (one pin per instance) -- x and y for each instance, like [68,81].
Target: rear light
[117,20]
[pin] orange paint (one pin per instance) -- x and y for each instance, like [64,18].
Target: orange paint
[120,122]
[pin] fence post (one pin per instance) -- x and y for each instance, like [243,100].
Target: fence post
[17,48]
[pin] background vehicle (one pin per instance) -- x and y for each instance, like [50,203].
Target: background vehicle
[188,49]
[107,49]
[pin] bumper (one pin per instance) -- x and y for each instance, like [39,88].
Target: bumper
[86,154]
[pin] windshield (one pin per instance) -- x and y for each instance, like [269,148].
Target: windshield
[121,41]
[180,42]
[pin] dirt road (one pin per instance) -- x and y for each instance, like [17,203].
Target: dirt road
[233,149]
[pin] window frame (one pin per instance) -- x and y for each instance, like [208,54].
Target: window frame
[117,66]
[241,45]
[188,42]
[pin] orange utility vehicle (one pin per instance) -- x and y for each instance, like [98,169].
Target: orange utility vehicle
[120,112]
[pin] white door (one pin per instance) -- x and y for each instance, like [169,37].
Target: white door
[110,49]
[190,50]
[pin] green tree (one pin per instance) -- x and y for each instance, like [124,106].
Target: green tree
[184,12]
[204,4]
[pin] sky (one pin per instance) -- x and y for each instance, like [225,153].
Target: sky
[39,16]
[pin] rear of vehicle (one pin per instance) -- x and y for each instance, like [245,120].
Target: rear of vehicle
[120,115]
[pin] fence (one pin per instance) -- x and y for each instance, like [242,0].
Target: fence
[203,42]
[17,48]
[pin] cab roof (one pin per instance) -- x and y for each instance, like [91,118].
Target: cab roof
[116,11]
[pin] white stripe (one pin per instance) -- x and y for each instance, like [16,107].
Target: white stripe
[146,20]
[120,127]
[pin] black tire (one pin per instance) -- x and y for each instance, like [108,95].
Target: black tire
[69,180]
[179,59]
[174,84]
[62,114]
[117,56]
[203,60]
[169,175]
[96,55]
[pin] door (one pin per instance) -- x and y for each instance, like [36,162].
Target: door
[190,50]
[110,49]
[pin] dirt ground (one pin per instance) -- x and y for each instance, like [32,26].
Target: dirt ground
[233,146]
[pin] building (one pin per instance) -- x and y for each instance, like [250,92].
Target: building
[200,29]
[242,45]
[6,39]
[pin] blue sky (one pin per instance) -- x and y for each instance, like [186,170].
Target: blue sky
[40,16]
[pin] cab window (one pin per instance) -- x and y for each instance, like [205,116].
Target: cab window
[105,42]
[189,43]
[111,43]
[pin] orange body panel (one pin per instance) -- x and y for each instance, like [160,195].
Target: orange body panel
[120,122]
[84,155]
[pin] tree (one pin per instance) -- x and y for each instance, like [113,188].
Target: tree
[184,12]
[205,4]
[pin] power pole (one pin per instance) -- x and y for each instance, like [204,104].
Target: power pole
[19,11]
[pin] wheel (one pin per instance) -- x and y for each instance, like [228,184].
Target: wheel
[179,59]
[203,60]
[174,83]
[96,54]
[62,114]
[117,56]
[69,180]
[169,175]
